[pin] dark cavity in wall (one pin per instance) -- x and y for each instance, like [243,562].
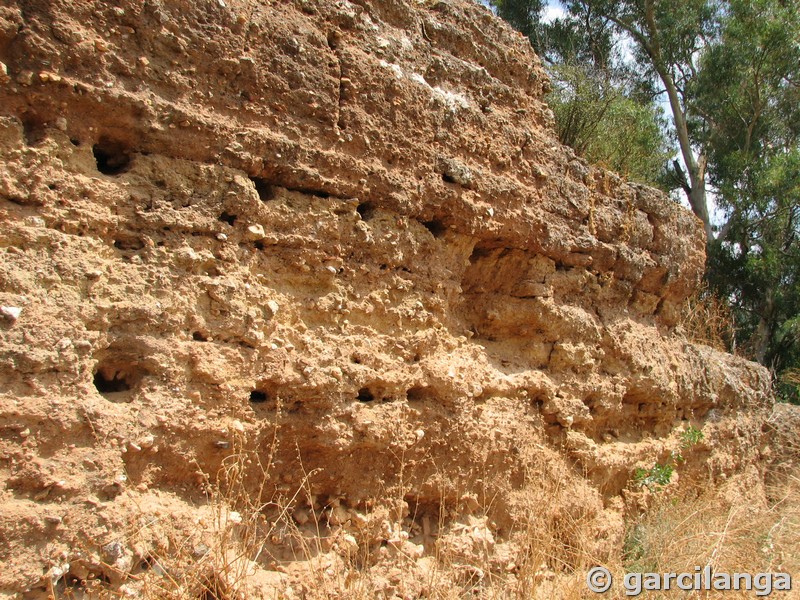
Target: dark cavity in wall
[366,210]
[258,397]
[228,218]
[33,128]
[113,157]
[480,252]
[265,189]
[365,395]
[116,378]
[265,397]
[128,243]
[436,227]
[107,383]
[418,393]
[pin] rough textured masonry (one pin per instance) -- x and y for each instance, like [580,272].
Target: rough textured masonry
[339,238]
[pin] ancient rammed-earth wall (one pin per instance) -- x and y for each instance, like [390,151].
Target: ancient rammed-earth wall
[323,264]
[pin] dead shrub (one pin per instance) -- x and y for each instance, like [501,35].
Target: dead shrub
[707,319]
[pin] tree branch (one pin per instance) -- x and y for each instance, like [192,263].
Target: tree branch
[680,177]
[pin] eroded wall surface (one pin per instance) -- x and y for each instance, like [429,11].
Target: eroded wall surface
[340,237]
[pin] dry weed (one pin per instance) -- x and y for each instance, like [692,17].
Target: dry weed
[215,561]
[731,529]
[552,546]
[707,319]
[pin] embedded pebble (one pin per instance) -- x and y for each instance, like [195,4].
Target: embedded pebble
[349,542]
[256,231]
[11,313]
[64,344]
[114,550]
[25,78]
[56,572]
[34,221]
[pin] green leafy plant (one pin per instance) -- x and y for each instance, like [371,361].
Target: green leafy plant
[690,437]
[634,550]
[654,478]
[659,475]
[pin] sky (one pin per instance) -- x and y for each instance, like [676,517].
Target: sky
[553,11]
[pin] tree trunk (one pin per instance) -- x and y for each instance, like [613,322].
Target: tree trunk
[696,166]
[648,39]
[697,200]
[763,332]
[696,192]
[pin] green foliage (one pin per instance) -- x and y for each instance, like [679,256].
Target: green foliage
[523,15]
[654,478]
[691,437]
[659,475]
[678,29]
[634,551]
[667,39]
[750,83]
[583,37]
[788,387]
[599,109]
[607,127]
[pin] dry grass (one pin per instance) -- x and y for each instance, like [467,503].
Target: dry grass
[734,528]
[555,542]
[676,534]
[554,550]
[791,376]
[679,533]
[216,565]
[707,319]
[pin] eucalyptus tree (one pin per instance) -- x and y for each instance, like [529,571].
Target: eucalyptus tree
[749,92]
[597,97]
